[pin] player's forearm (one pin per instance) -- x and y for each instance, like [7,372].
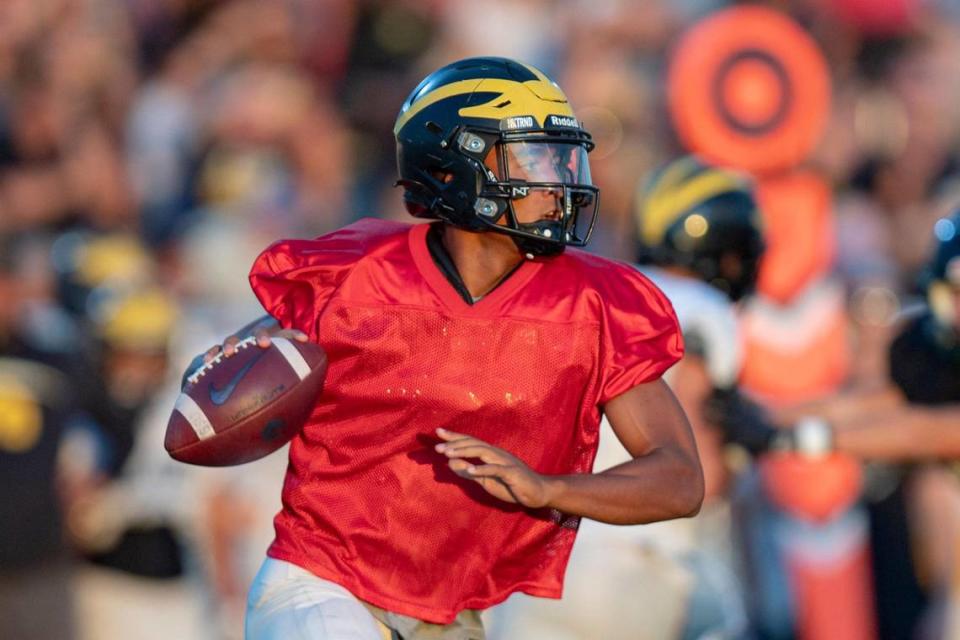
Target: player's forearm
[661,485]
[844,406]
[911,433]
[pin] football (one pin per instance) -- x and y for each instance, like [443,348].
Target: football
[238,409]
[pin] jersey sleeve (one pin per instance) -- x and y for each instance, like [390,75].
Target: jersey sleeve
[641,334]
[294,279]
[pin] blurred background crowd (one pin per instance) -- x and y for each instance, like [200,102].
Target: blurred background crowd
[149,149]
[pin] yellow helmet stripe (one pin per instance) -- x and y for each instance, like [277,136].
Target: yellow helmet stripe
[532,98]
[651,208]
[536,98]
[440,93]
[671,177]
[662,209]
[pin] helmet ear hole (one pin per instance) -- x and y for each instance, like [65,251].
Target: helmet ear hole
[441,176]
[415,199]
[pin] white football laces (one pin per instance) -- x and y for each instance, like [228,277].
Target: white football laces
[199,373]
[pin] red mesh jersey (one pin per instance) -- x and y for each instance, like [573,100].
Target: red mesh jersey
[367,502]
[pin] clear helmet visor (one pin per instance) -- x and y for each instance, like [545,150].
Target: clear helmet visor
[542,163]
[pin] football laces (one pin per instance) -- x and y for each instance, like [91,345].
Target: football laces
[202,371]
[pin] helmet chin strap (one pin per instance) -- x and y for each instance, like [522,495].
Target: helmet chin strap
[540,248]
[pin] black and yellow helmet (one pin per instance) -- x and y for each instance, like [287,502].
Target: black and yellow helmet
[462,113]
[703,218]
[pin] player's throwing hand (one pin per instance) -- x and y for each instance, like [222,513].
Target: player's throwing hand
[502,474]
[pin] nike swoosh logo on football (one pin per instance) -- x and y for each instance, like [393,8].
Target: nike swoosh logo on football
[219,396]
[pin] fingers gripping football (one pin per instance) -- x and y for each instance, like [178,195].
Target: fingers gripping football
[502,474]
[263,336]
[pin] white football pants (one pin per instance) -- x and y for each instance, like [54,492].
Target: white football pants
[290,603]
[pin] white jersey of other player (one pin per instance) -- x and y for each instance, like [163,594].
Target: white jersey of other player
[662,581]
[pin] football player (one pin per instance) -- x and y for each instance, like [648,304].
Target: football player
[447,463]
[699,240]
[916,416]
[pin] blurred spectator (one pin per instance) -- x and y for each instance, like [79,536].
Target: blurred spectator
[125,508]
[912,421]
[36,406]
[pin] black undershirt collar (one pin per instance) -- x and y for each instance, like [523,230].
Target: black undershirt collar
[441,257]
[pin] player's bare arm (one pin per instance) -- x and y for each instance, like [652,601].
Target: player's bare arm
[663,481]
[844,406]
[909,432]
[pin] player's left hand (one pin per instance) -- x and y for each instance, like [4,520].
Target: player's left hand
[502,474]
